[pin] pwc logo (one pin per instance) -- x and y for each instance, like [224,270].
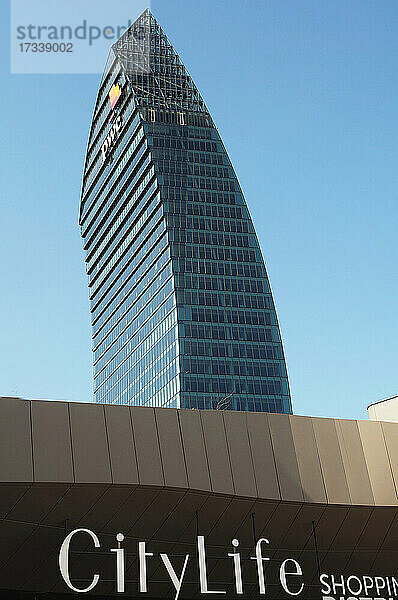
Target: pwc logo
[110,138]
[114,95]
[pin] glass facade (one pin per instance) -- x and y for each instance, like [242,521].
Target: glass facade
[181,306]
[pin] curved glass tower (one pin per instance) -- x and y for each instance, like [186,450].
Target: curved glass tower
[182,310]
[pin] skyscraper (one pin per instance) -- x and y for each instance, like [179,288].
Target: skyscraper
[181,306]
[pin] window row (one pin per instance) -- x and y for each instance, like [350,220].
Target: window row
[193,347]
[201,197]
[184,181]
[215,238]
[223,253]
[183,207]
[235,402]
[225,332]
[186,221]
[218,366]
[206,298]
[220,385]
[208,282]
[187,168]
[211,267]
[204,158]
[227,315]
[183,144]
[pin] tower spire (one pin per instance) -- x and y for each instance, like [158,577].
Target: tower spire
[155,71]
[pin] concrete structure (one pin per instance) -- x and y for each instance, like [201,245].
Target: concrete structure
[322,491]
[384,410]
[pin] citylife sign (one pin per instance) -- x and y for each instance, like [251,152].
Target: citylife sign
[290,572]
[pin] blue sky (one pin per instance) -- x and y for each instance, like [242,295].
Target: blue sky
[304,94]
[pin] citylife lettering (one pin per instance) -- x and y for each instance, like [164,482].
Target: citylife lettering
[333,587]
[290,571]
[110,138]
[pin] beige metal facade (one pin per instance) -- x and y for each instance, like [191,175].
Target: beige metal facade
[165,476]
